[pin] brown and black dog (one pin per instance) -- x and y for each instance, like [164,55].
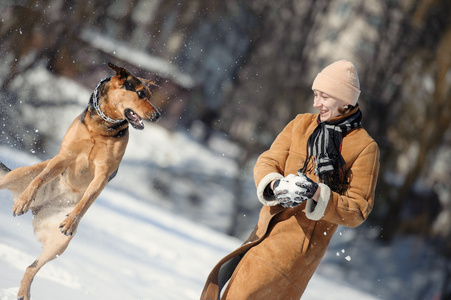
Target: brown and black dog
[59,191]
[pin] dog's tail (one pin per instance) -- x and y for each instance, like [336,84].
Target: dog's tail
[3,170]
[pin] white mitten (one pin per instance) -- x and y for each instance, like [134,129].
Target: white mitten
[293,190]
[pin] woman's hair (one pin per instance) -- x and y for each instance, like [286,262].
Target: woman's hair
[346,109]
[333,181]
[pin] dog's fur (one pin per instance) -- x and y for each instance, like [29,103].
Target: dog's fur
[60,190]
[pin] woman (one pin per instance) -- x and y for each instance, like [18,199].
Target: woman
[319,173]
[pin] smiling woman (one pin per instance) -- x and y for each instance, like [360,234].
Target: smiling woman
[334,97]
[319,173]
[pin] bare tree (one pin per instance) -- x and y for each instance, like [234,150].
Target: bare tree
[413,117]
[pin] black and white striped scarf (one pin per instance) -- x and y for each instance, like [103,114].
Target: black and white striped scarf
[324,145]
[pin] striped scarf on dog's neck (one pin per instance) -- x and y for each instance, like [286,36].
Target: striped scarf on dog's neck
[324,146]
[95,103]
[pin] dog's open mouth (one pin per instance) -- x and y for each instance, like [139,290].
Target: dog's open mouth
[134,119]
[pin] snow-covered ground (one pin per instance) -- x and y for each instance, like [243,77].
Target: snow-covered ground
[125,248]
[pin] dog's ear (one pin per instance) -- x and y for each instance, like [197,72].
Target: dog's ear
[121,72]
[148,83]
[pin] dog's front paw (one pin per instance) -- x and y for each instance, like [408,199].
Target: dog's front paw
[69,225]
[22,204]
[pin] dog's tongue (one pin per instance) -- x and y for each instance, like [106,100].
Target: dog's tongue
[136,118]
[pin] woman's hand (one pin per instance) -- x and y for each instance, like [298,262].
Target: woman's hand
[293,190]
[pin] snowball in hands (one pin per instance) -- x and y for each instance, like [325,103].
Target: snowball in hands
[293,190]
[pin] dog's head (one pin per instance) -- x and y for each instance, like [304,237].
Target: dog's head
[127,97]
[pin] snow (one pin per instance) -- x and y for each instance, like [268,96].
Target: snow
[126,247]
[407,268]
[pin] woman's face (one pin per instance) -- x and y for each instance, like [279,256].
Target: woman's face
[327,106]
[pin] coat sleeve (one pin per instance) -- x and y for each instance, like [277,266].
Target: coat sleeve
[352,208]
[270,164]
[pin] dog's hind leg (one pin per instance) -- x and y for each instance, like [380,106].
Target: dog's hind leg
[18,179]
[55,243]
[50,252]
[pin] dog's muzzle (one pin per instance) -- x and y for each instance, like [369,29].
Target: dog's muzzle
[155,116]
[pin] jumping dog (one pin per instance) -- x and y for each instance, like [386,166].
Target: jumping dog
[60,190]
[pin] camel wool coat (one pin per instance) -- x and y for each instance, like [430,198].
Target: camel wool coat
[285,248]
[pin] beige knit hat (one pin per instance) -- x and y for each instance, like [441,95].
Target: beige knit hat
[339,80]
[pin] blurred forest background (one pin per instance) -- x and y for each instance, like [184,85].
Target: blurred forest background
[241,70]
